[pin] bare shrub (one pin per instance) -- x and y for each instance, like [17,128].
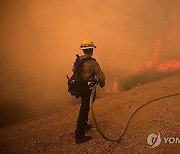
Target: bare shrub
[134,80]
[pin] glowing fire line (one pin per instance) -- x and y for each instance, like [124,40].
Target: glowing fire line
[155,63]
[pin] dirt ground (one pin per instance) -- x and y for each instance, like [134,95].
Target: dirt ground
[55,133]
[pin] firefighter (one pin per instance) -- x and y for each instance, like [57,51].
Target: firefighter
[91,68]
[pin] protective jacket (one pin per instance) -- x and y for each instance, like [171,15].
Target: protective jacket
[90,68]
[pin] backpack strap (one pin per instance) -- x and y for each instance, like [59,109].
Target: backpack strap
[79,63]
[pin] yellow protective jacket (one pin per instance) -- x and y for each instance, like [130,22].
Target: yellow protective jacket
[92,67]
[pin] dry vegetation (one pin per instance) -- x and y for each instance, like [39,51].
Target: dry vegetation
[14,112]
[143,78]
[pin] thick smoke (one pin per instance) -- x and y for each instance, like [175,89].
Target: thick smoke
[39,40]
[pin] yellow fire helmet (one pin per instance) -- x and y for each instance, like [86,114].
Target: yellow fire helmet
[87,45]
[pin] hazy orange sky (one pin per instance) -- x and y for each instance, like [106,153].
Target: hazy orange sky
[39,40]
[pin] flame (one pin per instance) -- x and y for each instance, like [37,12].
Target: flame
[170,66]
[112,88]
[155,63]
[115,86]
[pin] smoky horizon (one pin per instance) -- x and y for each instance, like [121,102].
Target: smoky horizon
[39,41]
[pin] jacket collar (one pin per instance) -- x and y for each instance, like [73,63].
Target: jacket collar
[87,55]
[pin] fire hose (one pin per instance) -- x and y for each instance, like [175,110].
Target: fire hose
[118,138]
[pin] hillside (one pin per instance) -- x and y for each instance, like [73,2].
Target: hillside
[54,133]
